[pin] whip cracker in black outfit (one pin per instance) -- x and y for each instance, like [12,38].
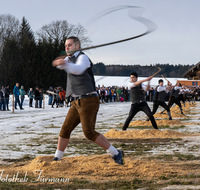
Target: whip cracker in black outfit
[137,97]
[159,98]
[175,97]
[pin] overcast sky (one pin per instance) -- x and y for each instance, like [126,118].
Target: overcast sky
[175,41]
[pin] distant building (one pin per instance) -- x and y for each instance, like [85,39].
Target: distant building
[190,82]
[193,73]
[193,76]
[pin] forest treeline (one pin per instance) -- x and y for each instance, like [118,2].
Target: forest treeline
[167,70]
[26,56]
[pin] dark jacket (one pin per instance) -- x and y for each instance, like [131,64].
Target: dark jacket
[1,96]
[7,92]
[41,95]
[37,95]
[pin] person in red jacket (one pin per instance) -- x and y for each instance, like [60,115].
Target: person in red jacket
[62,96]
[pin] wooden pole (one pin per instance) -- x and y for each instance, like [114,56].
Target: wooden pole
[13,105]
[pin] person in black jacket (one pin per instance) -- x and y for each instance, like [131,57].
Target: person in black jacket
[37,96]
[2,98]
[41,98]
[7,94]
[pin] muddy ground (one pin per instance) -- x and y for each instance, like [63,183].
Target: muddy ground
[167,158]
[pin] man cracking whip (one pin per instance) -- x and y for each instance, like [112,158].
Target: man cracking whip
[84,108]
[137,97]
[175,97]
[159,98]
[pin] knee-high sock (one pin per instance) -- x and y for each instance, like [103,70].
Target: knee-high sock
[112,150]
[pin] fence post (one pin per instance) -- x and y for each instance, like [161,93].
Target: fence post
[13,106]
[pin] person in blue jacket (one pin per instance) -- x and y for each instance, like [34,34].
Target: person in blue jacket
[16,94]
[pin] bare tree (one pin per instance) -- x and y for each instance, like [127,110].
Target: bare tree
[59,30]
[9,28]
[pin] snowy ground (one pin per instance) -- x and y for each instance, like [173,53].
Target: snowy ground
[33,131]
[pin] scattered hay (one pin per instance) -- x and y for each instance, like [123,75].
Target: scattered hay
[173,114]
[145,134]
[175,111]
[100,167]
[159,122]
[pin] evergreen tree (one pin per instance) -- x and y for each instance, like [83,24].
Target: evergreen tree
[99,69]
[27,65]
[25,31]
[8,62]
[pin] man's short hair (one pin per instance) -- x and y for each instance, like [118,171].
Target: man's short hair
[135,74]
[75,39]
[161,80]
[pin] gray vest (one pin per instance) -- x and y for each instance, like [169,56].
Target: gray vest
[137,94]
[80,84]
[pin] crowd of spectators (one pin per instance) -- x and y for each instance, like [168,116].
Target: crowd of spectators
[121,94]
[4,97]
[19,96]
[57,95]
[113,94]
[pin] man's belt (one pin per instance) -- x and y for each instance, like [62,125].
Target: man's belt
[85,96]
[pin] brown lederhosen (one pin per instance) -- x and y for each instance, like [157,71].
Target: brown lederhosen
[82,111]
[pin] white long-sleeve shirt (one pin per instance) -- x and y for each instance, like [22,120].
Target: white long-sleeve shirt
[162,88]
[81,65]
[132,84]
[177,88]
